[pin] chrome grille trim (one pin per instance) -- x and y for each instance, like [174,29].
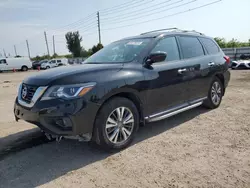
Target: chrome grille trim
[38,93]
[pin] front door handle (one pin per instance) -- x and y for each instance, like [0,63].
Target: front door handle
[181,71]
[211,64]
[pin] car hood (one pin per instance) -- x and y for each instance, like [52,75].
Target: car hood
[44,78]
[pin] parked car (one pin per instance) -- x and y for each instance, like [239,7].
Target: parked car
[20,63]
[132,81]
[37,64]
[243,63]
[54,63]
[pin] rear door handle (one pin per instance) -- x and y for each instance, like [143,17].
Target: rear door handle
[181,71]
[211,64]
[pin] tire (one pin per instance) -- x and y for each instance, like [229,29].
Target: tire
[113,137]
[216,89]
[24,68]
[47,67]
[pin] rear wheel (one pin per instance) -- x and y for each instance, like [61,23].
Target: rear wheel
[47,67]
[24,68]
[116,124]
[215,94]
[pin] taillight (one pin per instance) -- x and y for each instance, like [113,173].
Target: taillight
[227,59]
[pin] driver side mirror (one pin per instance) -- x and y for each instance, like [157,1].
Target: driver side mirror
[156,57]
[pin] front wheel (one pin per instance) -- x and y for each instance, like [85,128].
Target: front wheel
[116,124]
[215,94]
[47,67]
[24,68]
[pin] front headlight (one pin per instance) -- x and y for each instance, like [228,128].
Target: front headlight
[67,91]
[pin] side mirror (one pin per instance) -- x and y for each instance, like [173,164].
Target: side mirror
[156,57]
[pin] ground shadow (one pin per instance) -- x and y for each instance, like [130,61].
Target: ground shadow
[44,163]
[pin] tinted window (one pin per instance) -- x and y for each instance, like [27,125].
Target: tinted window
[59,61]
[53,61]
[191,47]
[210,46]
[169,46]
[3,61]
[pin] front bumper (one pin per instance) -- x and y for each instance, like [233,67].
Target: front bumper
[60,117]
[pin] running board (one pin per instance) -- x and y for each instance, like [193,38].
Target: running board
[167,115]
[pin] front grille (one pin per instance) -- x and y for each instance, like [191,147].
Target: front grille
[27,92]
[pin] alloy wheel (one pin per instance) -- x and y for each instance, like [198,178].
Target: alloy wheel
[216,93]
[119,125]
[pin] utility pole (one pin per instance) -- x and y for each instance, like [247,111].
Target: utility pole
[99,27]
[28,47]
[4,53]
[15,49]
[46,42]
[54,49]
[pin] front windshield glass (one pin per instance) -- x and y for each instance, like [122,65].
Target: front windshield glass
[119,52]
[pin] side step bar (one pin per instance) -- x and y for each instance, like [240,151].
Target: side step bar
[166,115]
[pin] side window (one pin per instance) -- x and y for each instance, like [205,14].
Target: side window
[191,47]
[59,61]
[3,61]
[169,46]
[210,46]
[52,62]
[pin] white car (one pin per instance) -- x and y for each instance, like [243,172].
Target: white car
[241,64]
[54,63]
[21,63]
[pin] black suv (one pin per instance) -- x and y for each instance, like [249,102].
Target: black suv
[132,81]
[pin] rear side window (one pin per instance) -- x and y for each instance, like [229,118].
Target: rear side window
[169,46]
[210,46]
[191,47]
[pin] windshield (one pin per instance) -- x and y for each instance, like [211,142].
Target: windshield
[119,52]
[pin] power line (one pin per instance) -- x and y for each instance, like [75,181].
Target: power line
[86,27]
[117,11]
[152,13]
[85,19]
[143,11]
[120,5]
[170,15]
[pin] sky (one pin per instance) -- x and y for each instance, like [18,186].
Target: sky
[23,20]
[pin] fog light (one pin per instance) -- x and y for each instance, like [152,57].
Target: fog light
[65,122]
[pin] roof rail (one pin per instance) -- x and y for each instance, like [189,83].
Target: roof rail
[167,29]
[174,29]
[191,31]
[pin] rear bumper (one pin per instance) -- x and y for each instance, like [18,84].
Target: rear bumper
[227,76]
[60,117]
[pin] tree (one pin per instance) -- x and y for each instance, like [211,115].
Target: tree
[74,43]
[221,42]
[233,44]
[55,55]
[96,48]
[85,53]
